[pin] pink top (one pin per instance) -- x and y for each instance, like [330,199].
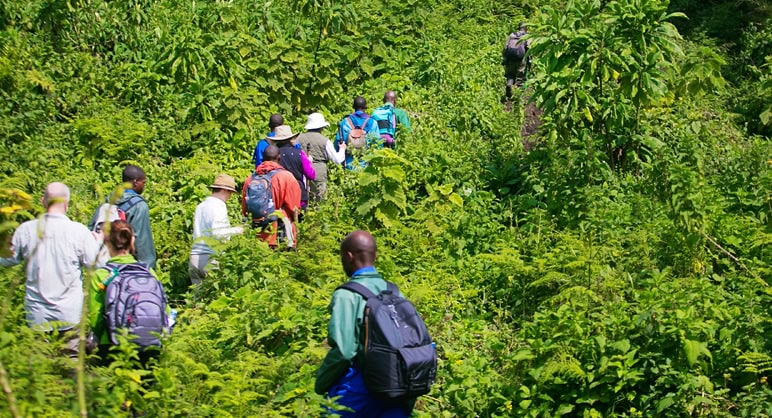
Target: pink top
[308,169]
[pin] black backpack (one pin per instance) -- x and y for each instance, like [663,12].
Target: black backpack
[135,300]
[399,360]
[515,49]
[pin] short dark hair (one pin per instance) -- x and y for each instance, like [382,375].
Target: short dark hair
[271,153]
[360,103]
[275,120]
[132,172]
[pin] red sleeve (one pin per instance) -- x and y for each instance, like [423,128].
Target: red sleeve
[286,192]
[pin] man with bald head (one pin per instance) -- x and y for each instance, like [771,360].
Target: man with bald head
[56,250]
[388,116]
[286,194]
[338,374]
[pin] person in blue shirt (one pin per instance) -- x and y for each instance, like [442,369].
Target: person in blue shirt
[358,119]
[274,121]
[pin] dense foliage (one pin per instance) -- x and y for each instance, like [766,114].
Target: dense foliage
[619,268]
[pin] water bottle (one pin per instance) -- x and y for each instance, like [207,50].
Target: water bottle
[172,319]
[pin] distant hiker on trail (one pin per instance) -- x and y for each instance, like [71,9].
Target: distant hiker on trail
[374,384]
[388,116]
[274,121]
[56,250]
[357,130]
[294,160]
[513,59]
[210,221]
[321,150]
[122,279]
[270,189]
[138,213]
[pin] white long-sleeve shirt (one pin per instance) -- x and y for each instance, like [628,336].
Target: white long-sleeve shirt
[56,250]
[211,221]
[336,157]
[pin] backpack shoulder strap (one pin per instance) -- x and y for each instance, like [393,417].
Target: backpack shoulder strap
[130,203]
[113,272]
[350,122]
[358,288]
[391,287]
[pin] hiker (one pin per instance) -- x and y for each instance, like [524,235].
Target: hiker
[294,160]
[274,121]
[283,196]
[321,150]
[347,372]
[513,58]
[56,250]
[357,130]
[388,116]
[211,221]
[121,279]
[133,208]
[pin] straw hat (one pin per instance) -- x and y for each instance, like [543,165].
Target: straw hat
[281,133]
[225,182]
[316,121]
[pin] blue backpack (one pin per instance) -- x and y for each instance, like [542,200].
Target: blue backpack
[387,123]
[399,360]
[259,198]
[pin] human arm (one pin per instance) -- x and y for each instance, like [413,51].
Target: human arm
[308,169]
[287,194]
[342,338]
[139,218]
[336,156]
[17,248]
[96,299]
[221,225]
[343,129]
[403,119]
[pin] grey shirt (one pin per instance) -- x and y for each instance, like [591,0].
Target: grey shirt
[56,250]
[321,150]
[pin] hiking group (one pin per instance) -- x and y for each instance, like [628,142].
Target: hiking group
[381,357]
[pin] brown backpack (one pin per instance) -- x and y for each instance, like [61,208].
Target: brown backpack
[357,137]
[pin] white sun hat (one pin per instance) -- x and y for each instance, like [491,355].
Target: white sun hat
[316,121]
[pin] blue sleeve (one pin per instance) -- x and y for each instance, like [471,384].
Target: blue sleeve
[372,127]
[258,156]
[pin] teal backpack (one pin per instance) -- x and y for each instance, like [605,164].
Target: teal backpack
[387,123]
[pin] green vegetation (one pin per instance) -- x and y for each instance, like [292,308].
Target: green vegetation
[620,268]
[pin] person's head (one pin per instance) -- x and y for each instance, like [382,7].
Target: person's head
[271,153]
[120,239]
[135,176]
[522,26]
[223,186]
[274,121]
[56,198]
[360,103]
[390,97]
[357,250]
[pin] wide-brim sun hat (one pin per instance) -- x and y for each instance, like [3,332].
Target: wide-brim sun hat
[225,182]
[316,121]
[281,133]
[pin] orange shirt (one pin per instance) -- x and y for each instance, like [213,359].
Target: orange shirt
[286,197]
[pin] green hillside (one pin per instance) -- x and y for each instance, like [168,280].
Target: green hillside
[615,263]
